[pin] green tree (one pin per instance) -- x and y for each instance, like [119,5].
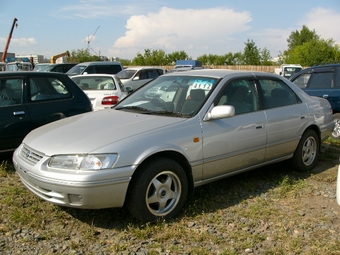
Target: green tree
[82,55]
[298,38]
[177,55]
[251,54]
[314,52]
[151,57]
[305,47]
[265,57]
[212,59]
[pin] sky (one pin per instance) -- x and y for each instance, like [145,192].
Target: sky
[124,28]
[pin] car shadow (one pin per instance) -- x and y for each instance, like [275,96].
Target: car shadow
[214,196]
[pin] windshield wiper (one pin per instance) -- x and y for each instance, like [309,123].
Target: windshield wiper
[134,108]
[172,114]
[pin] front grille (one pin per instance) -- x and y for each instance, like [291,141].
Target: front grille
[31,156]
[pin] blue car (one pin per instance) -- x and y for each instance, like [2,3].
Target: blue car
[323,81]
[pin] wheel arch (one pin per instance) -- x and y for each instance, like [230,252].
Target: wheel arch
[317,131]
[176,156]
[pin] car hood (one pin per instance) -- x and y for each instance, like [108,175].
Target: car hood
[87,132]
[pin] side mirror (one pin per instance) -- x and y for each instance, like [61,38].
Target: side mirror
[129,89]
[136,78]
[220,112]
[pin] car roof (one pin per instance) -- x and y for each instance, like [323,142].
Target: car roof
[100,63]
[144,67]
[217,73]
[35,73]
[93,74]
[310,69]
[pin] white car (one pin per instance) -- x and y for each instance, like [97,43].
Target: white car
[104,90]
[136,77]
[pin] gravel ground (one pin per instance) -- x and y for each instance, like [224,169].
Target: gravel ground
[312,218]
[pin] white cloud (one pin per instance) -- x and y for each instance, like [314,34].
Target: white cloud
[175,30]
[325,22]
[20,42]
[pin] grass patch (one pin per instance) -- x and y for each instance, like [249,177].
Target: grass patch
[272,210]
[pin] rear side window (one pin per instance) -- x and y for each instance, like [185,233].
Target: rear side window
[47,88]
[10,91]
[321,80]
[277,94]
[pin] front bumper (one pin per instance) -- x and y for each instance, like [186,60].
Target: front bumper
[82,189]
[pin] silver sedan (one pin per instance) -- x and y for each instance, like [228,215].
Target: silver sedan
[149,153]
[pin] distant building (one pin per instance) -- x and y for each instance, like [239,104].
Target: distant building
[9,55]
[36,58]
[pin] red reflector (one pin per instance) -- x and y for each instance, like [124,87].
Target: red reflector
[111,100]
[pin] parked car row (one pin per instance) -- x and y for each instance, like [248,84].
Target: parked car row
[178,131]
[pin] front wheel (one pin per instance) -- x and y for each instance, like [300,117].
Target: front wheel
[336,130]
[157,191]
[307,152]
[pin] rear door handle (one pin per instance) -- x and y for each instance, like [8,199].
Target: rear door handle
[18,113]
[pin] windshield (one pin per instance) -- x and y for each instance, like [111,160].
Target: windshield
[95,82]
[78,69]
[180,96]
[126,74]
[41,67]
[289,71]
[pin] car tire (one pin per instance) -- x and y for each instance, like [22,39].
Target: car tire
[307,152]
[157,191]
[336,130]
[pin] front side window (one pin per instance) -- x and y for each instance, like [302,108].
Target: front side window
[47,88]
[302,80]
[78,69]
[276,93]
[126,74]
[153,74]
[241,94]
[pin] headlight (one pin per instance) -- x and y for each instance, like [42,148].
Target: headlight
[83,162]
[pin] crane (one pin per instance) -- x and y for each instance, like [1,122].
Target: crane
[4,54]
[89,39]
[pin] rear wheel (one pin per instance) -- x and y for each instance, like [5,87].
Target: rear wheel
[157,191]
[336,130]
[307,152]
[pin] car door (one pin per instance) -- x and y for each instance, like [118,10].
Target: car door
[239,142]
[14,116]
[48,99]
[286,117]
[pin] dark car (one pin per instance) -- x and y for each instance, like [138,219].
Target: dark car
[32,99]
[322,81]
[106,67]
